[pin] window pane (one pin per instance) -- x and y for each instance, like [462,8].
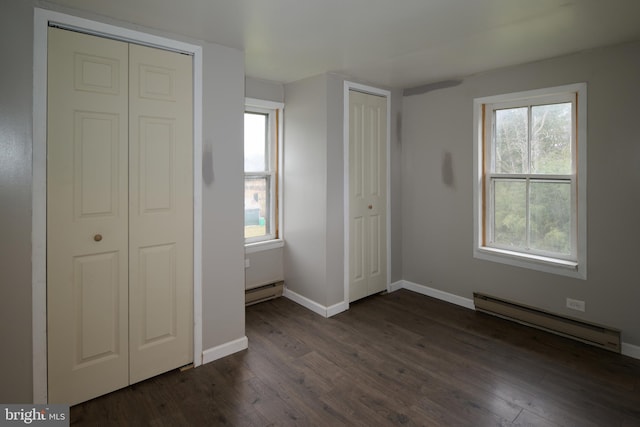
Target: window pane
[510,221]
[550,216]
[256,207]
[511,150]
[255,142]
[551,139]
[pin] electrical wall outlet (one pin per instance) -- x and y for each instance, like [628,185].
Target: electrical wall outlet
[575,304]
[247,264]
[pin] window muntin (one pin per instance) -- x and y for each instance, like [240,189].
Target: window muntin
[260,165]
[530,204]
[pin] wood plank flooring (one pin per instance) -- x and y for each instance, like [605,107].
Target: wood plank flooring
[396,359]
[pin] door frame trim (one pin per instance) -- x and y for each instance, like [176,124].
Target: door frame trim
[349,86]
[42,20]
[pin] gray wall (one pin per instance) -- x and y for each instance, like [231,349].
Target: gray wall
[263,89]
[305,188]
[438,213]
[223,196]
[223,282]
[314,157]
[16,81]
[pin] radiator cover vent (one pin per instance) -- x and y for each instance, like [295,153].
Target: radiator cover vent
[263,293]
[589,333]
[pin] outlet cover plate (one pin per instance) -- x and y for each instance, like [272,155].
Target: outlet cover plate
[575,304]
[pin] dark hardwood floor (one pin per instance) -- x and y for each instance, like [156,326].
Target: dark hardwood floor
[396,359]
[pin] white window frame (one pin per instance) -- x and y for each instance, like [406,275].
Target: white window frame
[573,265]
[269,108]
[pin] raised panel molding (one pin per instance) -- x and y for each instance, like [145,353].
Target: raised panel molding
[95,285]
[96,74]
[95,186]
[157,152]
[157,287]
[157,83]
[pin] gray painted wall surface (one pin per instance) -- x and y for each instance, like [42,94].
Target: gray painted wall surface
[223,196]
[438,213]
[314,154]
[263,89]
[305,188]
[16,81]
[223,246]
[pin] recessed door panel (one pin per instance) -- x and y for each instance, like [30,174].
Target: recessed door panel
[96,290]
[157,82]
[158,289]
[157,154]
[98,74]
[96,164]
[375,251]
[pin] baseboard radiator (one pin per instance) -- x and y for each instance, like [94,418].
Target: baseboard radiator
[589,333]
[263,293]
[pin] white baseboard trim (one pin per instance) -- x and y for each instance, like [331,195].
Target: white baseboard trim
[314,306]
[223,350]
[627,349]
[435,293]
[631,350]
[395,286]
[338,308]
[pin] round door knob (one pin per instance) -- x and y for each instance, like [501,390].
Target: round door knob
[97,237]
[370,206]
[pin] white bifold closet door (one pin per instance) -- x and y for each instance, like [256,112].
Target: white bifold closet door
[119,214]
[367,194]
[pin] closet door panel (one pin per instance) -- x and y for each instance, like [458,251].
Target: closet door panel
[161,211]
[87,216]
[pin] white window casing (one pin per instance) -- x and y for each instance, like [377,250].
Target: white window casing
[572,264]
[273,238]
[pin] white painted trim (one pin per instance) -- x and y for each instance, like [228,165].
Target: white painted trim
[42,18]
[576,270]
[314,306]
[224,350]
[263,103]
[338,308]
[396,286]
[260,245]
[435,293]
[345,144]
[39,212]
[631,350]
[250,248]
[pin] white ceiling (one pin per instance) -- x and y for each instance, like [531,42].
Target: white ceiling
[398,43]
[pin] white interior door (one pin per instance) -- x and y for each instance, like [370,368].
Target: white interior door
[87,216]
[119,214]
[161,211]
[367,194]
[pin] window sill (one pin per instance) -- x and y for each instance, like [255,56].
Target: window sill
[265,245]
[533,262]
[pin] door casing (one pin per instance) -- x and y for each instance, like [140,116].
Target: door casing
[348,86]
[42,20]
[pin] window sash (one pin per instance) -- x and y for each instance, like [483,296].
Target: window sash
[527,248]
[490,177]
[270,173]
